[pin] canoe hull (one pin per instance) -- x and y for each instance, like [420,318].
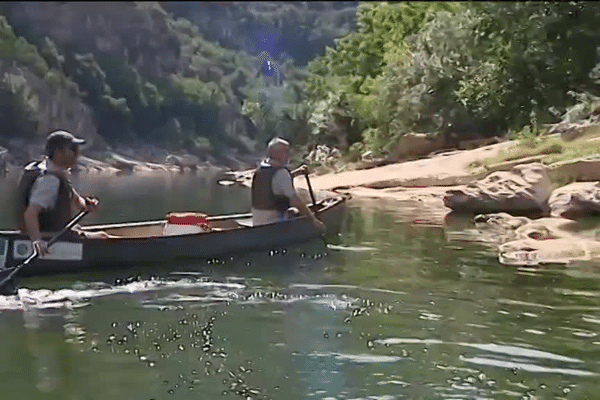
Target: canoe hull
[78,254]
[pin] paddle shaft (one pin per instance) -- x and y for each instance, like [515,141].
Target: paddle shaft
[35,253]
[310,190]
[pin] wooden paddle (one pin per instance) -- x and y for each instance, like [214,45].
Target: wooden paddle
[7,274]
[314,201]
[310,190]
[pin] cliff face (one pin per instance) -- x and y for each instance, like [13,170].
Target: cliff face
[138,31]
[133,72]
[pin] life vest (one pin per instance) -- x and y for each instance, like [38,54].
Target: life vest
[263,197]
[51,220]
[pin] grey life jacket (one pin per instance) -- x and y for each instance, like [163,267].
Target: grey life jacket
[50,220]
[263,197]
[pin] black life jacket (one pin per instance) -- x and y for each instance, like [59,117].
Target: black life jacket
[51,220]
[263,197]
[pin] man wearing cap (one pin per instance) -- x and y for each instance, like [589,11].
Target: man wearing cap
[46,193]
[273,189]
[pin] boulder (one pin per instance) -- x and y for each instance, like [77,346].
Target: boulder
[526,187]
[553,251]
[184,161]
[523,241]
[575,200]
[416,145]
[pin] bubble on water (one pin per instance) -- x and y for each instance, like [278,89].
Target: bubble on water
[151,364]
[114,324]
[170,391]
[181,347]
[326,335]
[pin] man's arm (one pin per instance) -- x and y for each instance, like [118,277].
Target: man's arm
[297,202]
[83,203]
[301,170]
[283,185]
[32,223]
[32,227]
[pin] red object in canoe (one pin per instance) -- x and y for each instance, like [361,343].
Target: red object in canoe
[186,219]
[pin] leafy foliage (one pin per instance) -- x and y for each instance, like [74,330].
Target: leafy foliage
[193,79]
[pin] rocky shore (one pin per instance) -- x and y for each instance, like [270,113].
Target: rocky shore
[520,206]
[126,160]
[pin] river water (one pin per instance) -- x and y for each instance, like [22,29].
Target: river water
[389,311]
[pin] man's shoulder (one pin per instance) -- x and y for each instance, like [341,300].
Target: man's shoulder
[283,173]
[47,180]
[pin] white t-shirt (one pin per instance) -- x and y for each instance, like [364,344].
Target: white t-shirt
[282,185]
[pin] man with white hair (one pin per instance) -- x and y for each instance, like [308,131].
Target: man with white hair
[273,189]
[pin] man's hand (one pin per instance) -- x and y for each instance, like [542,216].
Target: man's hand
[41,247]
[88,204]
[301,170]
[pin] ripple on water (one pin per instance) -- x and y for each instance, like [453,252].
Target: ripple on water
[489,347]
[526,366]
[358,358]
[44,298]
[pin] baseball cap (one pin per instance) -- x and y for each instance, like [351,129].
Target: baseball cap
[59,139]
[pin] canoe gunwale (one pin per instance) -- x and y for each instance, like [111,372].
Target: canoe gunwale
[336,201]
[82,254]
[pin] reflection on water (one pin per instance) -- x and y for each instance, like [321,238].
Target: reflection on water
[390,311]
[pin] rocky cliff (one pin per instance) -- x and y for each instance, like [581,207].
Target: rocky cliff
[139,31]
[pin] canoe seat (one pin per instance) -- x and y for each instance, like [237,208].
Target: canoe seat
[246,222]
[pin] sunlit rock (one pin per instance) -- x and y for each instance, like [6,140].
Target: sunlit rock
[525,187]
[575,200]
[523,241]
